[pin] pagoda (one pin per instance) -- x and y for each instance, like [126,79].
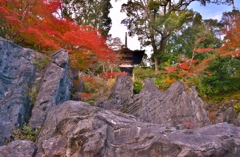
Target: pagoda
[128,58]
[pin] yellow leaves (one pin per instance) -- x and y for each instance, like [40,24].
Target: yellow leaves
[170,80]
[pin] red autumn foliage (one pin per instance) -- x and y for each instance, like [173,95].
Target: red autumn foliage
[208,73]
[183,66]
[194,60]
[202,50]
[231,40]
[109,75]
[85,95]
[188,125]
[37,24]
[202,65]
[183,73]
[171,69]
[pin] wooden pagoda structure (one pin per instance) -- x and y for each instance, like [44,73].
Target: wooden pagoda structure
[129,58]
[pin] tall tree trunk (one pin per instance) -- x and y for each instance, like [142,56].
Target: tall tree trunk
[156,64]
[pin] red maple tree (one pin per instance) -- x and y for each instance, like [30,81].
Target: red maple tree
[231,46]
[38,24]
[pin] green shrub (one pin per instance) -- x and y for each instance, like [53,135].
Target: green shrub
[137,86]
[42,63]
[25,133]
[225,76]
[237,108]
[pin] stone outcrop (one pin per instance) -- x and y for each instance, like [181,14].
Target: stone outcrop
[224,112]
[54,89]
[176,106]
[17,74]
[121,95]
[75,128]
[18,149]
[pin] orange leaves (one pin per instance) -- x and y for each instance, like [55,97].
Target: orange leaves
[232,40]
[109,75]
[85,95]
[171,69]
[3,10]
[38,24]
[202,50]
[170,80]
[183,66]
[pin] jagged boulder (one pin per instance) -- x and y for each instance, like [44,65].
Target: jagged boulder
[54,89]
[18,149]
[224,111]
[75,128]
[121,95]
[17,74]
[176,106]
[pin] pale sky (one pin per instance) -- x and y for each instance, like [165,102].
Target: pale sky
[118,30]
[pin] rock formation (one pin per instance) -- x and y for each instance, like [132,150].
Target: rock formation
[54,89]
[175,106]
[121,95]
[157,124]
[75,128]
[17,78]
[90,131]
[17,74]
[19,149]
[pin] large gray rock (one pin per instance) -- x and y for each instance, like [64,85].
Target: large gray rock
[75,128]
[121,94]
[176,106]
[54,89]
[223,111]
[18,149]
[17,74]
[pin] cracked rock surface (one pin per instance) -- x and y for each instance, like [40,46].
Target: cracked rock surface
[54,89]
[177,106]
[75,128]
[17,74]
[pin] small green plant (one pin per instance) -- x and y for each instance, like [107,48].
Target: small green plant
[42,63]
[32,94]
[237,108]
[25,133]
[137,86]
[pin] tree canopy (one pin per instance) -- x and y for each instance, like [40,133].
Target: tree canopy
[89,12]
[38,24]
[155,21]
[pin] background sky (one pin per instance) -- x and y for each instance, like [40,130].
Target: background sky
[212,11]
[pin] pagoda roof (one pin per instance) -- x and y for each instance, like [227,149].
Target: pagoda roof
[127,56]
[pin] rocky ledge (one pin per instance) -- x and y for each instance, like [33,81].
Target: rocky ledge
[75,128]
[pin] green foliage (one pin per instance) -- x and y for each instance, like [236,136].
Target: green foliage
[137,86]
[225,76]
[161,79]
[25,133]
[237,108]
[143,73]
[42,63]
[95,88]
[32,93]
[153,5]
[33,96]
[89,12]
